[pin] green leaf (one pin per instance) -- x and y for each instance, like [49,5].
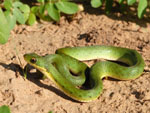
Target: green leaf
[96,3]
[21,11]
[32,19]
[65,0]
[142,8]
[45,17]
[41,13]
[35,10]
[67,7]
[42,9]
[121,1]
[42,1]
[4,109]
[26,16]
[16,0]
[17,4]
[53,12]
[4,28]
[131,2]
[11,19]
[108,6]
[8,4]
[24,8]
[19,16]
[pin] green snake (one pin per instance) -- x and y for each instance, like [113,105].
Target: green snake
[67,71]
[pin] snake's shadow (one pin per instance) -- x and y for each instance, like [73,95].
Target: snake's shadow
[13,67]
[34,77]
[37,75]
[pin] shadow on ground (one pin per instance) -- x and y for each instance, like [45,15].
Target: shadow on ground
[34,77]
[128,14]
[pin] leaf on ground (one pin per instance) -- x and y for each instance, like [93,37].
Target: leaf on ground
[46,17]
[96,3]
[26,16]
[53,12]
[142,8]
[131,2]
[42,9]
[4,28]
[32,19]
[42,1]
[35,10]
[4,109]
[108,6]
[8,4]
[17,4]
[67,7]
[121,1]
[24,8]
[19,16]
[11,19]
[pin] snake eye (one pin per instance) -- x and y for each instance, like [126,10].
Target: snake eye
[33,60]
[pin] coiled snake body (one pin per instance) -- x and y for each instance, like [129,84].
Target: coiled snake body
[61,66]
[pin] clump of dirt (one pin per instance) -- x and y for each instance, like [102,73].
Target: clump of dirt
[41,96]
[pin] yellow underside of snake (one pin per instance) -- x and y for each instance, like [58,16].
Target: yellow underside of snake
[67,71]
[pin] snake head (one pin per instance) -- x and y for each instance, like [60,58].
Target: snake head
[34,59]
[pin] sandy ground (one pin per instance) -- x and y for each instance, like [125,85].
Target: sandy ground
[92,27]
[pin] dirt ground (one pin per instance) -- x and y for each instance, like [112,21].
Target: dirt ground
[91,27]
